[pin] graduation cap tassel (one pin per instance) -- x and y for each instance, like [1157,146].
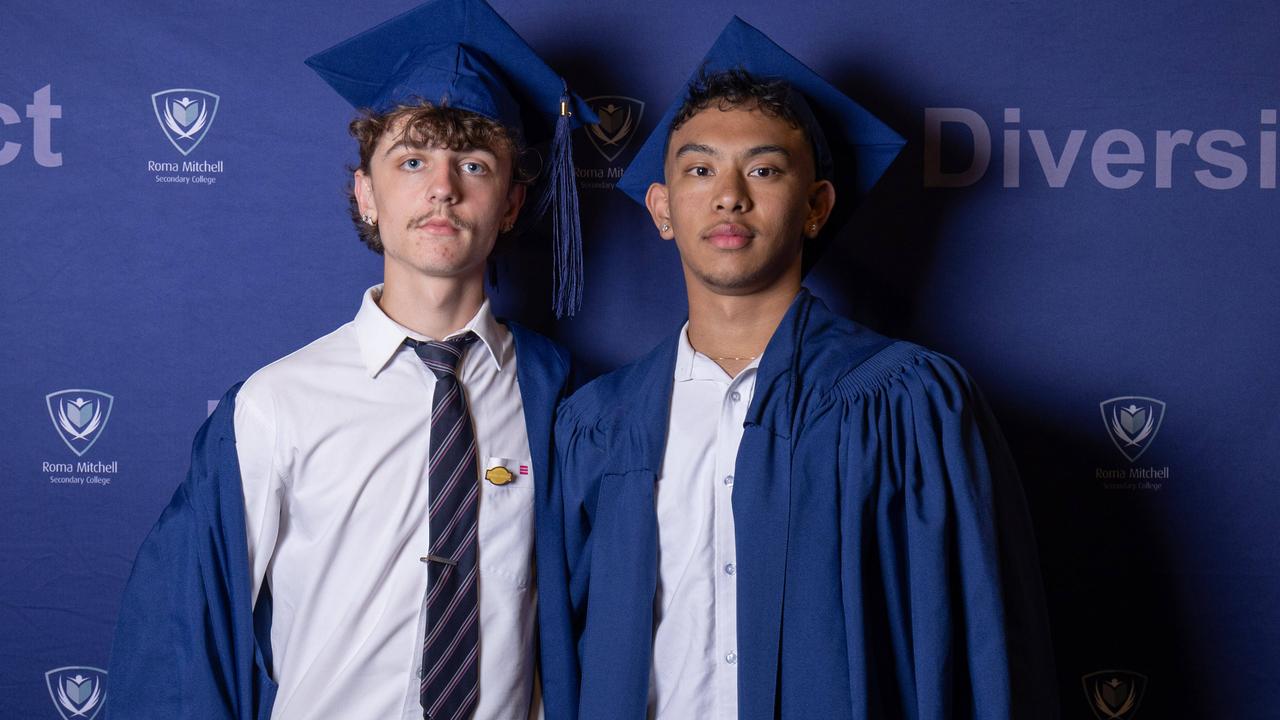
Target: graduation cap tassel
[562,190]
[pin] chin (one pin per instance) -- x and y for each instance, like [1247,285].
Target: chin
[738,278]
[452,270]
[732,283]
[443,265]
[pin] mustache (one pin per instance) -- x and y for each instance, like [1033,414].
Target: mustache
[457,222]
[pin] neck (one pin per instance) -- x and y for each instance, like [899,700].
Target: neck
[431,306]
[733,330]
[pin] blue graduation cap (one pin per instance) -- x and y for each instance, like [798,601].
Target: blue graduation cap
[462,54]
[852,147]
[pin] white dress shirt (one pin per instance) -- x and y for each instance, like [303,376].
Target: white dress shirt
[695,639]
[333,442]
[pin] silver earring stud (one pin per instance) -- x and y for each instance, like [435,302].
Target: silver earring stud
[367,220]
[666,227]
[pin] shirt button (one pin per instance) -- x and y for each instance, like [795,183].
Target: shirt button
[735,395]
[730,569]
[728,479]
[731,658]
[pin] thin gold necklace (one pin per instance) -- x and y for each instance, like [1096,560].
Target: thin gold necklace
[719,357]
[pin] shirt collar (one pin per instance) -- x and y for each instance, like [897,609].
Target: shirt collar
[380,337]
[693,365]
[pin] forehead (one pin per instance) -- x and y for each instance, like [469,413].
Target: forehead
[735,129]
[427,135]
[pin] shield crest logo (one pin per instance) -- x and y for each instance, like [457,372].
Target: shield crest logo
[185,115]
[1132,422]
[77,692]
[1114,694]
[619,118]
[79,416]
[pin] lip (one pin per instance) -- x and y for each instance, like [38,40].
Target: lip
[438,226]
[729,236]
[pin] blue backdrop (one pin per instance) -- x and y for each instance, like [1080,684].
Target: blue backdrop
[1084,216]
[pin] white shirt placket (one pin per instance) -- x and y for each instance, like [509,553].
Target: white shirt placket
[733,410]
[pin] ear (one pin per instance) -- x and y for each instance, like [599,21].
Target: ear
[658,200]
[515,200]
[363,187]
[822,198]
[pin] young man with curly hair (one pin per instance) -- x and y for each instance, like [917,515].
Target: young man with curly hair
[356,538]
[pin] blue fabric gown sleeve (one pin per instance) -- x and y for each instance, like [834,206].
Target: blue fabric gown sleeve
[943,598]
[579,459]
[185,644]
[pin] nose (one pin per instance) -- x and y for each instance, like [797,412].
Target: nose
[731,194]
[442,185]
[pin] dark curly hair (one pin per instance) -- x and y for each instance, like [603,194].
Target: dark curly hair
[728,89]
[426,125]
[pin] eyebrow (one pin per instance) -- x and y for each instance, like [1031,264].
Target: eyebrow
[402,144]
[768,150]
[690,148]
[405,144]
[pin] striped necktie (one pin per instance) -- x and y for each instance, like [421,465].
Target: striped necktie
[450,669]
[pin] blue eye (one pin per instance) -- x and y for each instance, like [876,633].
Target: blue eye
[411,164]
[473,168]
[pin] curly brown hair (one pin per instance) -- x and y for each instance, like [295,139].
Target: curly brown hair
[425,125]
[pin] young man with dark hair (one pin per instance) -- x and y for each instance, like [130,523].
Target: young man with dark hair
[778,513]
[357,533]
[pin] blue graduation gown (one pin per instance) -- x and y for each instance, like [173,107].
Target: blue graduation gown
[886,564]
[188,643]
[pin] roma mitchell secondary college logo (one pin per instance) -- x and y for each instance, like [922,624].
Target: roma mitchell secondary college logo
[619,118]
[1114,694]
[79,416]
[185,115]
[77,692]
[1132,422]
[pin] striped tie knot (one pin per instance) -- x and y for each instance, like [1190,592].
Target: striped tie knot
[442,356]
